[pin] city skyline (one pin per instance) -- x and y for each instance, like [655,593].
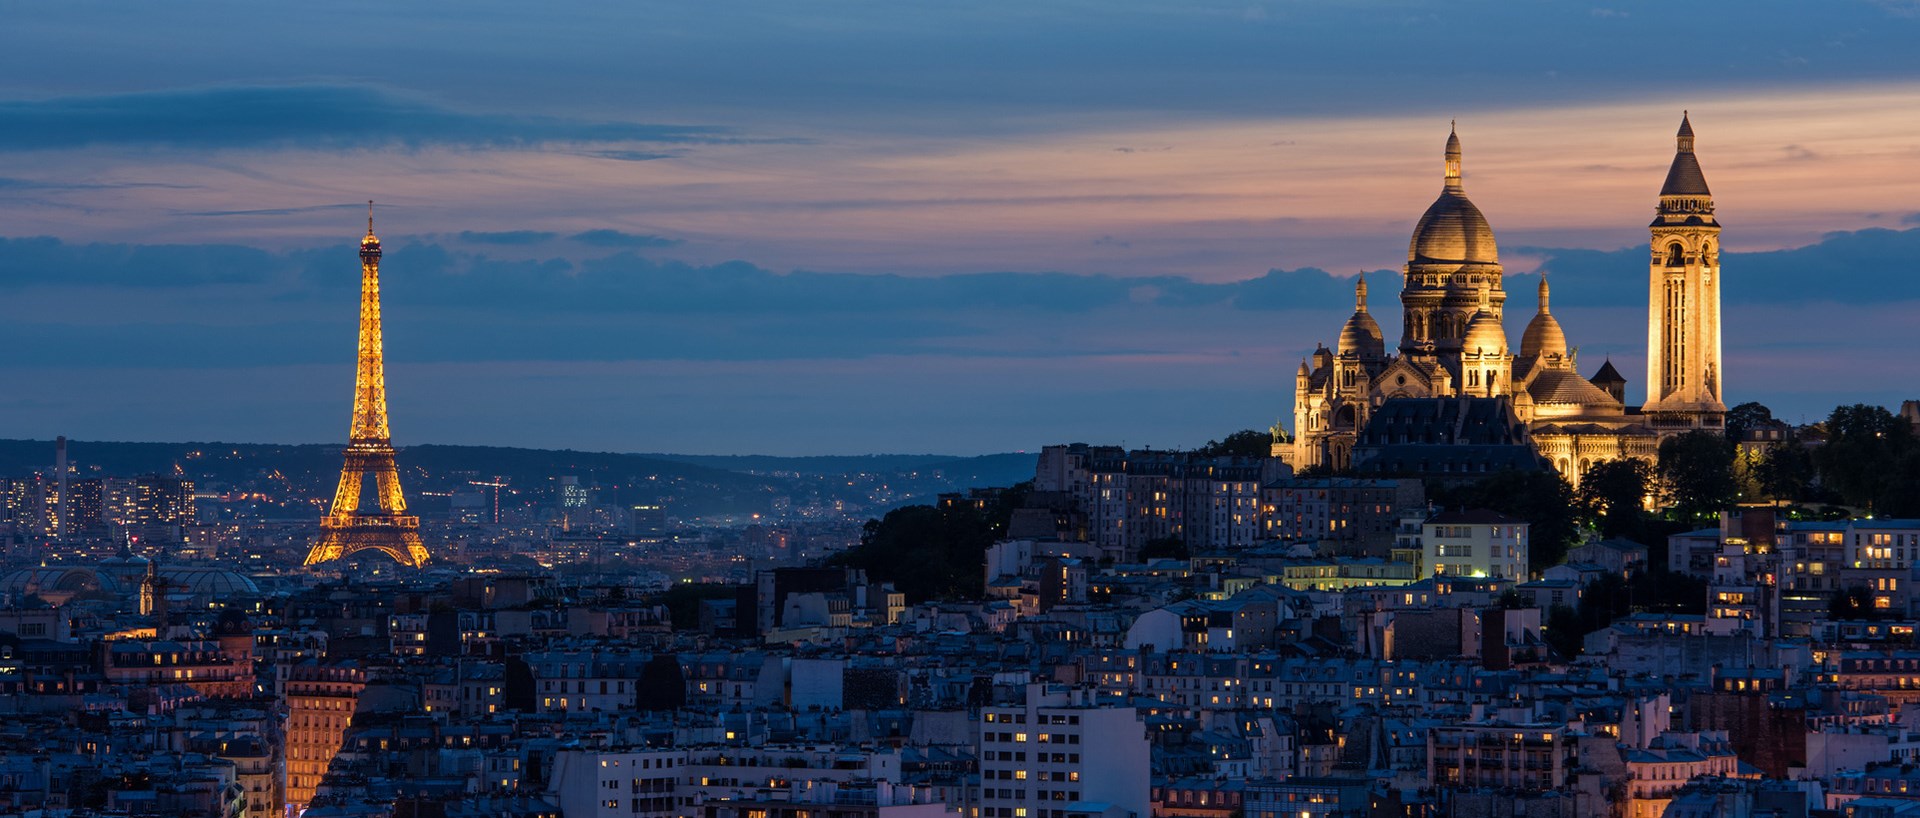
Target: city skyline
[791,268]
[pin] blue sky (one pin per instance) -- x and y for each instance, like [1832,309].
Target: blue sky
[843,227]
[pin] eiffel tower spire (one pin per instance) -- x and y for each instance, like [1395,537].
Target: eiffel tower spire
[345,529]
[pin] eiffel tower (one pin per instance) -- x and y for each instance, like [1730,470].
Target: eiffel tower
[346,530]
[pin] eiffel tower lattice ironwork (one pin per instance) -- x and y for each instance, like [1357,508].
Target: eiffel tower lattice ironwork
[346,530]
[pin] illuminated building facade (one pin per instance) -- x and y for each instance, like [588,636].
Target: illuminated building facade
[1453,342]
[320,701]
[1683,301]
[148,508]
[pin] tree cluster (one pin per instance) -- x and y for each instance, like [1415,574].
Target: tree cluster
[1541,498]
[1696,474]
[1244,443]
[683,600]
[931,552]
[1870,458]
[1613,596]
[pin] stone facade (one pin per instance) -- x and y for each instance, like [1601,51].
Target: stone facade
[1453,343]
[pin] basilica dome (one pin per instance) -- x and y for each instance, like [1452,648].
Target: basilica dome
[1452,231]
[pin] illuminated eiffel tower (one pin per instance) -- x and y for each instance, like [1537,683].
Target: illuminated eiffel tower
[346,529]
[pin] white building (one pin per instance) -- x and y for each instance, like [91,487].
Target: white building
[1061,753]
[617,783]
[1476,543]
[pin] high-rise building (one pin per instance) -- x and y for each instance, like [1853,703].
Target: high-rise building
[149,508]
[1057,749]
[85,506]
[648,523]
[1683,300]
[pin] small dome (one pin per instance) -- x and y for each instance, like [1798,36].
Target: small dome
[1485,333]
[1563,387]
[1543,335]
[1361,335]
[1453,230]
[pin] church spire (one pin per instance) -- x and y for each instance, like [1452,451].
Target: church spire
[1543,293]
[1360,294]
[1686,186]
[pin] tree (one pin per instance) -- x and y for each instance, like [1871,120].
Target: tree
[1871,459]
[662,684]
[1541,498]
[683,600]
[1786,472]
[1615,493]
[1244,443]
[1564,632]
[1855,604]
[1164,548]
[1696,469]
[1746,417]
[1611,597]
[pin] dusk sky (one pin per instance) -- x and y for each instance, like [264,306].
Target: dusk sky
[748,226]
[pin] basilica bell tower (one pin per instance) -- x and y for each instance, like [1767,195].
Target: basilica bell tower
[1683,302]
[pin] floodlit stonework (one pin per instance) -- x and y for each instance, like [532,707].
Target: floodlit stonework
[1453,342]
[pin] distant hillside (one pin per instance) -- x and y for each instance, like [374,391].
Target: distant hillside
[312,470]
[689,484]
[980,470]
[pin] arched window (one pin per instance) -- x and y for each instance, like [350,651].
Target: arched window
[1676,255]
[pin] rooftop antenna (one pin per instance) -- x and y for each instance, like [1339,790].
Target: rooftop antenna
[369,217]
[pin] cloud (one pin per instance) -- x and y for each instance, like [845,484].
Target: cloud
[307,116]
[1858,267]
[508,237]
[42,261]
[274,211]
[12,183]
[615,238]
[1305,288]
[629,156]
